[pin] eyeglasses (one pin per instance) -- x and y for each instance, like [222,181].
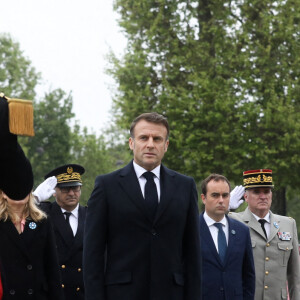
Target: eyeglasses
[67,189]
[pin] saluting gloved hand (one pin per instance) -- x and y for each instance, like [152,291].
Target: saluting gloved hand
[236,197]
[46,189]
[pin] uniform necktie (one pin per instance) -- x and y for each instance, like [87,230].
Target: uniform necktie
[222,244]
[151,197]
[262,224]
[68,214]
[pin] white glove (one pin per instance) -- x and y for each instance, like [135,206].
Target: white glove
[45,190]
[236,197]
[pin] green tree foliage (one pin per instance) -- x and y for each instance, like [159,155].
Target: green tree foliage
[51,144]
[225,73]
[18,78]
[91,152]
[57,141]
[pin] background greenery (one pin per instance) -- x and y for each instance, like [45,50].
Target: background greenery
[224,73]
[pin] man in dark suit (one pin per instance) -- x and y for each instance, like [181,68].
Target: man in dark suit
[68,219]
[227,259]
[142,229]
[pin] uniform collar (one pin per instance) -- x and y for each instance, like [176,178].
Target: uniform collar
[74,212]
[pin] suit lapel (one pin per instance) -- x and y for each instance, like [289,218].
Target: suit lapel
[252,222]
[207,238]
[78,239]
[233,236]
[15,237]
[167,189]
[61,225]
[274,226]
[130,184]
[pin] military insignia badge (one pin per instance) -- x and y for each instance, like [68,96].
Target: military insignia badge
[233,231]
[276,225]
[284,236]
[32,225]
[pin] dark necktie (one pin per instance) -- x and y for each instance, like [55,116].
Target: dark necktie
[151,197]
[68,214]
[262,224]
[222,244]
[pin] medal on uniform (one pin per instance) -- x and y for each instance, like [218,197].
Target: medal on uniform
[284,236]
[32,225]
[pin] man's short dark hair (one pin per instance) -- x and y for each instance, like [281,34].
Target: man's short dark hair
[151,117]
[214,177]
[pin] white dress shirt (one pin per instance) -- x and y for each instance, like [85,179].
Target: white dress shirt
[214,230]
[267,224]
[139,171]
[73,218]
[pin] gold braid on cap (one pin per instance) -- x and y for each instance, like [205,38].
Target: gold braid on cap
[258,179]
[65,177]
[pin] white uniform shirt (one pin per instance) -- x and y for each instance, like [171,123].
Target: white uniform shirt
[73,218]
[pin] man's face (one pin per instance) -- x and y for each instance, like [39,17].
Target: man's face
[216,200]
[259,200]
[68,197]
[149,144]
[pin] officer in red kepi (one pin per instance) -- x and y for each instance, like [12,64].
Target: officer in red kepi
[274,239]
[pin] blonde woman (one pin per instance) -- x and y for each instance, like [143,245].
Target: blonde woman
[27,251]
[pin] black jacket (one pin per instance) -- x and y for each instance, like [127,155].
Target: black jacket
[130,256]
[69,249]
[29,262]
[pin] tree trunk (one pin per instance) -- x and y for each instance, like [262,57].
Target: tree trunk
[279,201]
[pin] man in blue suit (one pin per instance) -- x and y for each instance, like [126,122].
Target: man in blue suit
[142,239]
[227,259]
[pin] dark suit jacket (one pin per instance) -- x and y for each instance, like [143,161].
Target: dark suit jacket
[29,262]
[235,279]
[127,255]
[69,249]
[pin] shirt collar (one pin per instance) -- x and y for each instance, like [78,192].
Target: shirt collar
[74,212]
[209,221]
[267,217]
[140,170]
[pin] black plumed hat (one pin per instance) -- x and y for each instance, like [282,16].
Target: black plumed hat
[16,176]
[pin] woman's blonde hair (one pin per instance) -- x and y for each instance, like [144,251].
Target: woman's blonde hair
[31,211]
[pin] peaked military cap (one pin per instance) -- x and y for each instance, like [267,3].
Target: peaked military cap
[67,175]
[258,178]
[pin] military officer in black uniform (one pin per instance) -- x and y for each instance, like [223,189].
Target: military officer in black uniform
[68,219]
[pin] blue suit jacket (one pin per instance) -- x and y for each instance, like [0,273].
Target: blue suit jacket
[235,279]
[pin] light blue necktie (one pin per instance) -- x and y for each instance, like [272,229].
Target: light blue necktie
[222,244]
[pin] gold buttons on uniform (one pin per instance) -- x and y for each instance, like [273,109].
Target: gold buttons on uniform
[287,248]
[268,244]
[266,287]
[63,266]
[78,289]
[267,272]
[267,258]
[62,285]
[79,270]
